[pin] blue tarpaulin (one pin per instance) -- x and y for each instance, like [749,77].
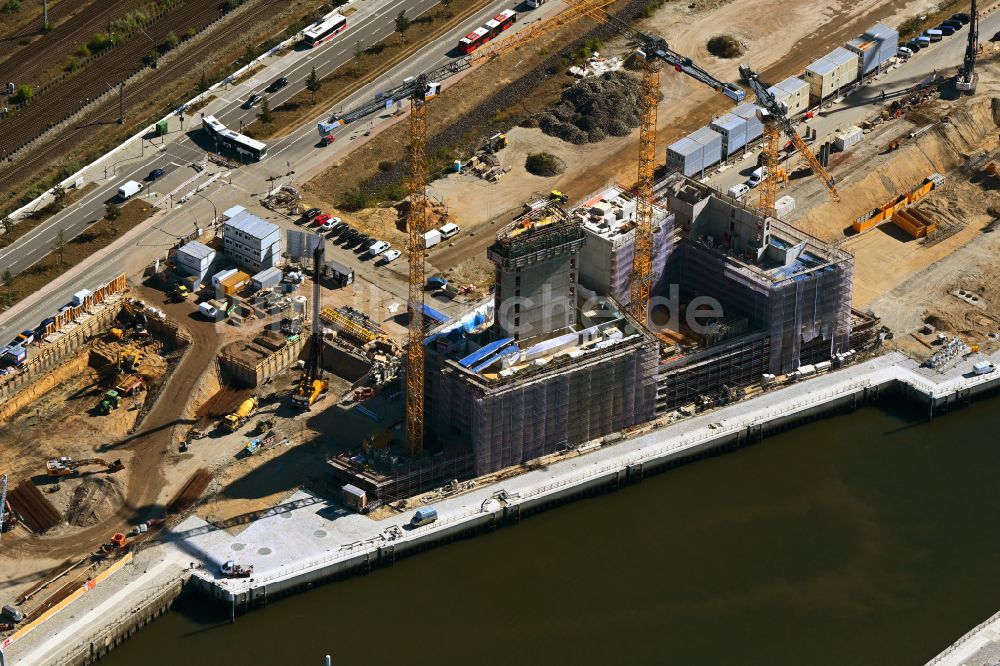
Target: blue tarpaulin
[483,352]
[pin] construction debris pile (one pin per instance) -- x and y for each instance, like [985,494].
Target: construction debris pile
[596,66]
[594,108]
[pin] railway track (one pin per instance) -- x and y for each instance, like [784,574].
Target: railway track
[56,14]
[26,64]
[106,111]
[115,66]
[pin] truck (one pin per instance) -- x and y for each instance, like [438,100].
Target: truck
[129,190]
[983,367]
[232,570]
[424,516]
[246,409]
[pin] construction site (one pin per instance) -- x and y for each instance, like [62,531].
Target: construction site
[264,356]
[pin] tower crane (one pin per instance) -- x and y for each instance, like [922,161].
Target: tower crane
[653,50]
[968,78]
[774,115]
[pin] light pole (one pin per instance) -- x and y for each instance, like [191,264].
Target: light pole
[215,211]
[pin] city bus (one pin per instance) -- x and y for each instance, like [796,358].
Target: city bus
[234,141]
[487,31]
[324,30]
[535,4]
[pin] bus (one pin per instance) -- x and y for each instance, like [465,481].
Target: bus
[535,4]
[234,141]
[323,31]
[487,31]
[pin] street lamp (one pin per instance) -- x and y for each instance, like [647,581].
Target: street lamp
[215,211]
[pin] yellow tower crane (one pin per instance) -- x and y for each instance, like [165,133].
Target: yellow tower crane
[774,115]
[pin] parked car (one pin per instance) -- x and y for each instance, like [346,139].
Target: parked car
[338,227]
[40,330]
[278,84]
[924,41]
[946,30]
[252,101]
[904,52]
[364,240]
[934,34]
[390,256]
[953,22]
[156,173]
[327,140]
[311,213]
[755,178]
[330,223]
[914,45]
[961,16]
[378,247]
[26,338]
[449,230]
[424,516]
[321,219]
[13,613]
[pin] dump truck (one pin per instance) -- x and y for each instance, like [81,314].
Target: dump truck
[66,466]
[246,409]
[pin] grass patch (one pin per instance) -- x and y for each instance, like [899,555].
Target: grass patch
[99,235]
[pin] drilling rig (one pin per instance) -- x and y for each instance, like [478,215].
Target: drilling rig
[312,387]
[967,78]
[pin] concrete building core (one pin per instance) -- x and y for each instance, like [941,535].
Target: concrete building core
[770,278]
[536,273]
[608,221]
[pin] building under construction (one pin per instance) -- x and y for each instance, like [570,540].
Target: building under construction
[513,393]
[785,296]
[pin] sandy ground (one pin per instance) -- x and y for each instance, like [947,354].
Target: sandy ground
[775,48]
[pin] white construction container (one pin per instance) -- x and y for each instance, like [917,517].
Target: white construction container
[432,238]
[222,275]
[783,207]
[230,213]
[266,279]
[849,138]
[755,128]
[80,296]
[194,258]
[831,74]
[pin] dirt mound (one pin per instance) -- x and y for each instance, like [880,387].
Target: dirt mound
[593,108]
[96,498]
[725,46]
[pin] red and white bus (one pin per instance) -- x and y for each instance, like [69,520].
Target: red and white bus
[488,31]
[324,30]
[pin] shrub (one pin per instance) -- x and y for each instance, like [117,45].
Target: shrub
[99,42]
[354,200]
[725,46]
[24,93]
[83,51]
[171,41]
[112,212]
[544,164]
[71,65]
[395,192]
[386,165]
[10,7]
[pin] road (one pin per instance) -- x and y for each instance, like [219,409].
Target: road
[942,58]
[297,152]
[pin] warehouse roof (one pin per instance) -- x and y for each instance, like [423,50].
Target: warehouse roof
[252,226]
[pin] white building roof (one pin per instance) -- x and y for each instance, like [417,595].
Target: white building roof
[252,226]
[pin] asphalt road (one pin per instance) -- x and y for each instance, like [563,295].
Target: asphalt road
[296,153]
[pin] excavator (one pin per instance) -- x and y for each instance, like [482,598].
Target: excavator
[66,466]
[312,387]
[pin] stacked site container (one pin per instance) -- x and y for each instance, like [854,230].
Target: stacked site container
[793,92]
[695,152]
[755,128]
[874,48]
[733,129]
[831,73]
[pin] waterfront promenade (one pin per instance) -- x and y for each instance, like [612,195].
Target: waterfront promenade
[306,539]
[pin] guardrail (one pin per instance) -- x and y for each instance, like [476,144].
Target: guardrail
[964,639]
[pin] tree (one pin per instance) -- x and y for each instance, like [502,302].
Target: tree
[313,83]
[402,24]
[112,212]
[203,83]
[59,246]
[8,283]
[24,93]
[265,114]
[8,229]
[58,198]
[359,51]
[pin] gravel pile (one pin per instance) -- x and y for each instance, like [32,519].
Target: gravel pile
[594,108]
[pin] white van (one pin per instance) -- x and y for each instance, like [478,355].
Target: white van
[757,176]
[449,230]
[738,190]
[129,190]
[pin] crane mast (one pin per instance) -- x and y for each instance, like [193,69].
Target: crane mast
[968,78]
[774,116]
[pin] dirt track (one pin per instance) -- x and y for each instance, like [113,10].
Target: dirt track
[146,481]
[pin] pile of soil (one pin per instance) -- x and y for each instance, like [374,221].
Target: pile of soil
[544,164]
[725,46]
[593,108]
[96,498]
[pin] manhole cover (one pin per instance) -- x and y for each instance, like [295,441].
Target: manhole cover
[319,534]
[238,546]
[264,551]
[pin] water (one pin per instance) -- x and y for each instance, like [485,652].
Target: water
[863,539]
